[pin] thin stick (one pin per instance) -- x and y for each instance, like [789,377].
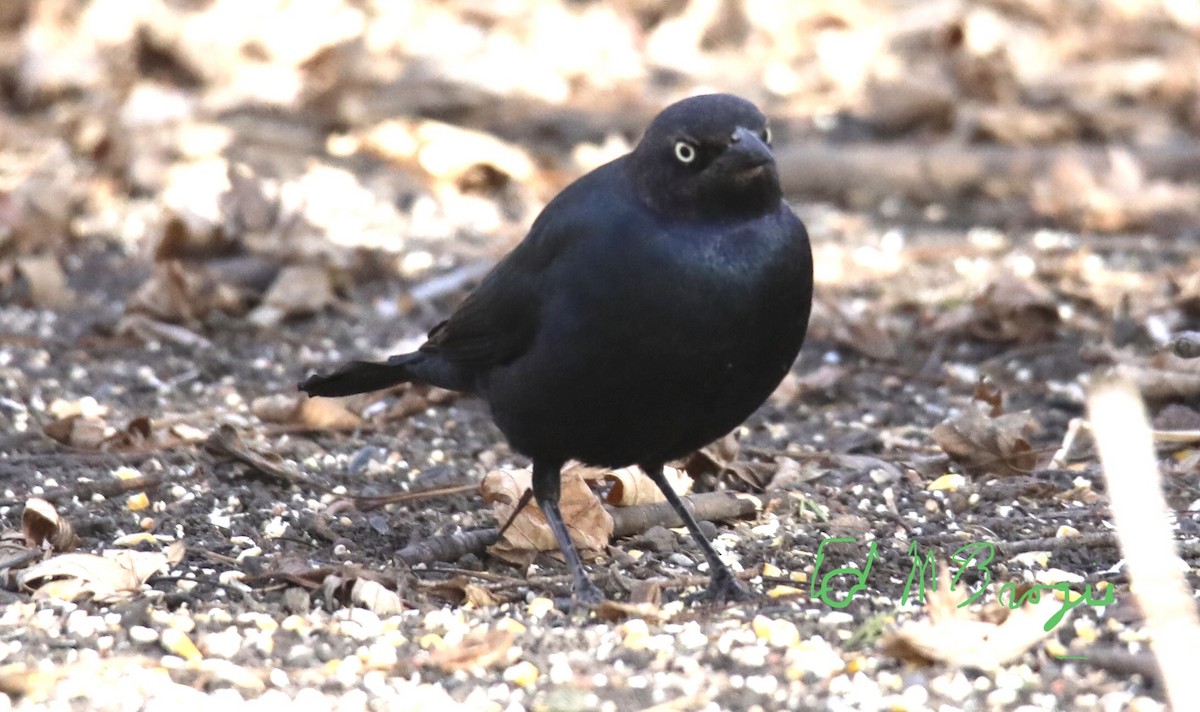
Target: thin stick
[1139,511]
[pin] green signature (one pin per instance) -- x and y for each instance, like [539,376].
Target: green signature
[975,555]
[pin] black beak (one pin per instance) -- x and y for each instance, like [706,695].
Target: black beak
[746,151]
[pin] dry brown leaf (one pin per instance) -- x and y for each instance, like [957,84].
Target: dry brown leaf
[714,458]
[181,293]
[175,552]
[860,331]
[479,650]
[277,408]
[111,576]
[956,636]
[78,431]
[460,591]
[376,597]
[985,445]
[41,523]
[298,290]
[987,393]
[613,611]
[587,521]
[135,434]
[326,414]
[1119,198]
[631,486]
[316,413]
[45,281]
[1014,309]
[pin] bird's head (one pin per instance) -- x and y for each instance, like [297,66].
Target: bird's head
[708,157]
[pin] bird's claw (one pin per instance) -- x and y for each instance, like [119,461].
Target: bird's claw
[583,600]
[723,588]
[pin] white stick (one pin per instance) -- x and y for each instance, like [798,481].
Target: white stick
[1143,523]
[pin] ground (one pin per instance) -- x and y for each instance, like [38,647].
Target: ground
[177,257]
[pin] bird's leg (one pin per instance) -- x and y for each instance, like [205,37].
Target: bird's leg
[722,587]
[547,483]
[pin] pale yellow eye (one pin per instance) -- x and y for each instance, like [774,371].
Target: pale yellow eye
[766,135]
[685,152]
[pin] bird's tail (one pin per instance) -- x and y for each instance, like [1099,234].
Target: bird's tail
[360,377]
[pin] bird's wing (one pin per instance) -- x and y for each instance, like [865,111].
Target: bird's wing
[499,320]
[496,322]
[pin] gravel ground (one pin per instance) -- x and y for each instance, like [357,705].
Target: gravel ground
[200,203]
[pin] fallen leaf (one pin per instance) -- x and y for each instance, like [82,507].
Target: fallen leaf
[376,597]
[111,576]
[957,636]
[461,591]
[326,414]
[614,611]
[183,294]
[41,523]
[78,431]
[478,650]
[276,408]
[631,486]
[298,290]
[1014,309]
[45,281]
[989,394]
[589,525]
[316,413]
[986,445]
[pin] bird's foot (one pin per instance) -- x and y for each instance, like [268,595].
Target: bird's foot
[583,599]
[723,588]
[589,595]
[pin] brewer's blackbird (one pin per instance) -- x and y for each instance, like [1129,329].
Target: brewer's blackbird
[654,304]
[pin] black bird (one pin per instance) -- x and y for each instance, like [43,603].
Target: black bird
[655,303]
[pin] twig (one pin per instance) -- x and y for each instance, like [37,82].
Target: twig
[85,490]
[448,548]
[706,507]
[1122,434]
[627,521]
[226,441]
[365,503]
[1083,541]
[1122,663]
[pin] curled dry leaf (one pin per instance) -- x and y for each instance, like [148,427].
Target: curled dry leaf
[45,282]
[298,290]
[589,524]
[856,329]
[316,413]
[183,294]
[478,650]
[956,636]
[376,597]
[175,552]
[986,445]
[714,458]
[447,152]
[461,591]
[631,486]
[112,576]
[79,431]
[326,414]
[615,611]
[41,524]
[1014,309]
